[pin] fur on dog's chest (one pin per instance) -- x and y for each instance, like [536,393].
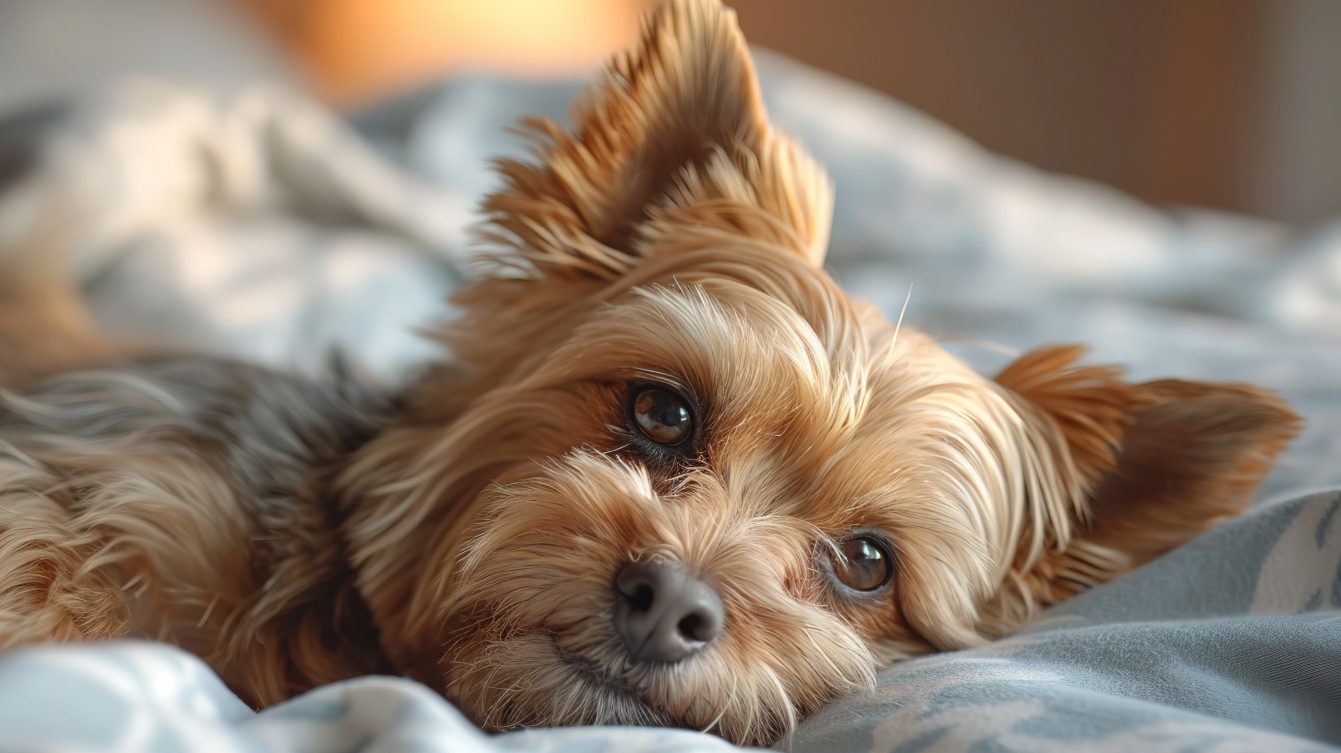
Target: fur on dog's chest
[198,487]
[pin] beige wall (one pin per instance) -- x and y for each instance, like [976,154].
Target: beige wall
[1226,103]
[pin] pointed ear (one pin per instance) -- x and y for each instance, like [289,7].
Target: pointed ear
[1139,468]
[676,126]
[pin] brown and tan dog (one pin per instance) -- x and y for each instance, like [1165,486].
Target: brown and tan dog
[669,475]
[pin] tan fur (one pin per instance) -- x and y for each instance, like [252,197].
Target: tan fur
[673,237]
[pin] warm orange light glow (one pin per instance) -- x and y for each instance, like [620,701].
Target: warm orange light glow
[360,49]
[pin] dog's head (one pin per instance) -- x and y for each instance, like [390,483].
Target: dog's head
[673,475]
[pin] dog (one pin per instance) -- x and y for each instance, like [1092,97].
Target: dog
[668,473]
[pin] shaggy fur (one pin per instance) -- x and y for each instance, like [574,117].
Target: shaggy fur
[466,530]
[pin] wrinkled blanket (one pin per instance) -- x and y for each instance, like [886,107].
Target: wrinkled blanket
[300,239]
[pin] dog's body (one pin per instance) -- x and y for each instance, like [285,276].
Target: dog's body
[671,475]
[188,500]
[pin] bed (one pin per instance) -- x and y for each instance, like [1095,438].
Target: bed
[306,233]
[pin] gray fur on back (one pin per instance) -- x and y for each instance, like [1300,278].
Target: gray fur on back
[274,433]
[262,442]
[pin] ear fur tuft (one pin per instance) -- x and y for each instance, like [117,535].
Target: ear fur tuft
[1142,467]
[675,124]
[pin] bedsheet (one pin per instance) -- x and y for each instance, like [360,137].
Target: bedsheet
[268,229]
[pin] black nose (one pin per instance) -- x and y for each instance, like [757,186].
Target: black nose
[663,613]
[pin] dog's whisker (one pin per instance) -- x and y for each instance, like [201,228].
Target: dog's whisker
[898,324]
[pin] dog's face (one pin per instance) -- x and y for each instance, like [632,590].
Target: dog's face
[675,476]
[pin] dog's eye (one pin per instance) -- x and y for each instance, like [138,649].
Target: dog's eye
[663,416]
[863,563]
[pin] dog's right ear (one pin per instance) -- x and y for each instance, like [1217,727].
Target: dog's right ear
[675,126]
[1123,472]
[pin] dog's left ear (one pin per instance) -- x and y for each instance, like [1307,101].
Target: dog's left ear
[1128,471]
[675,129]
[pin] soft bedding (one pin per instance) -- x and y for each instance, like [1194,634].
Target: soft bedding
[265,229]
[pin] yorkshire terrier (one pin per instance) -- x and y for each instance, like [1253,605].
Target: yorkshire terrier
[668,474]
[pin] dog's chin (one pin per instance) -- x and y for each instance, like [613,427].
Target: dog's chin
[623,702]
[528,680]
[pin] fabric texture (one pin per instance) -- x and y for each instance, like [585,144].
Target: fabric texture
[301,239]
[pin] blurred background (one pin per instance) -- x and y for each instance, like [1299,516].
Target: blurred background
[1233,104]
